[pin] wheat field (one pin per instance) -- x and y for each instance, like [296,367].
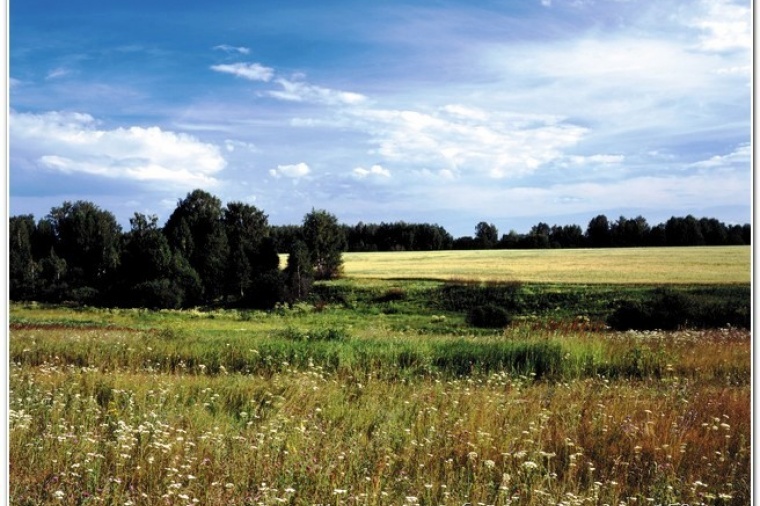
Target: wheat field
[693,265]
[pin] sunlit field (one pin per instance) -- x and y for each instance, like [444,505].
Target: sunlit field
[721,264]
[371,394]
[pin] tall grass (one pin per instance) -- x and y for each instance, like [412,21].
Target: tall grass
[337,406]
[307,437]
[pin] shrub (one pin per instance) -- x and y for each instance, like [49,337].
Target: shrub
[668,309]
[391,295]
[488,316]
[464,296]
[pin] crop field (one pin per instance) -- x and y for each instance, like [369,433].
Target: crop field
[723,264]
[380,392]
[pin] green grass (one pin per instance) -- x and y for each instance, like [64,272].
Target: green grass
[378,392]
[532,415]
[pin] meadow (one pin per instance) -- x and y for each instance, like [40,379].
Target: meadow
[377,392]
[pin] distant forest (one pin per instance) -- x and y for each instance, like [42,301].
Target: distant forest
[207,253]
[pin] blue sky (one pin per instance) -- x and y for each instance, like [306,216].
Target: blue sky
[449,112]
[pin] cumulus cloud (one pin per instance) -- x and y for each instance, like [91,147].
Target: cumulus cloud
[73,143]
[250,71]
[375,170]
[496,146]
[299,91]
[294,171]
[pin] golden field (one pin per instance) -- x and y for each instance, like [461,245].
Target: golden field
[692,265]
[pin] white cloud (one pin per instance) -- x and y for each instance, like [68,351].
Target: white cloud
[72,143]
[497,147]
[299,91]
[463,111]
[375,170]
[741,157]
[599,159]
[250,71]
[294,171]
[726,26]
[232,49]
[231,145]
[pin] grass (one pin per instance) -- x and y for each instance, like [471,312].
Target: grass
[378,392]
[265,408]
[692,265]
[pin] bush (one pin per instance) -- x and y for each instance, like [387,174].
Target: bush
[391,295]
[668,309]
[464,296]
[488,316]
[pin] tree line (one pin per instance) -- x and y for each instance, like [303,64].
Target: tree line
[204,254]
[207,253]
[600,233]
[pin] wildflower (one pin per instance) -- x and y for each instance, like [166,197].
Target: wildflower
[529,464]
[411,499]
[339,491]
[58,494]
[489,464]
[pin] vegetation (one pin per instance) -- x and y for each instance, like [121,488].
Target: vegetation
[206,254]
[328,402]
[600,233]
[597,376]
[211,255]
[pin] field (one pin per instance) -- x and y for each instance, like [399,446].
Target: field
[729,264]
[374,393]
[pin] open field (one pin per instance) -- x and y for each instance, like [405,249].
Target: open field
[719,264]
[379,392]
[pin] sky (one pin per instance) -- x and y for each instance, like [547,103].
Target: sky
[439,111]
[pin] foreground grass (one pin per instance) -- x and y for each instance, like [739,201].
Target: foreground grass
[345,406]
[305,437]
[692,265]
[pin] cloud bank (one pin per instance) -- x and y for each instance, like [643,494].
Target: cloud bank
[73,143]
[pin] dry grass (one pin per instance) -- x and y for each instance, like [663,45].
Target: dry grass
[729,264]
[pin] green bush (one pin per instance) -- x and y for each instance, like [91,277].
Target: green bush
[463,296]
[488,316]
[669,309]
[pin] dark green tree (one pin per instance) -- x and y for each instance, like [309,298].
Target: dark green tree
[486,235]
[683,232]
[299,273]
[629,232]
[598,233]
[538,237]
[326,241]
[195,229]
[246,228]
[714,231]
[510,240]
[22,268]
[88,239]
[151,274]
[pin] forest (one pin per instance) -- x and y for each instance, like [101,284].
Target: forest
[210,254]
